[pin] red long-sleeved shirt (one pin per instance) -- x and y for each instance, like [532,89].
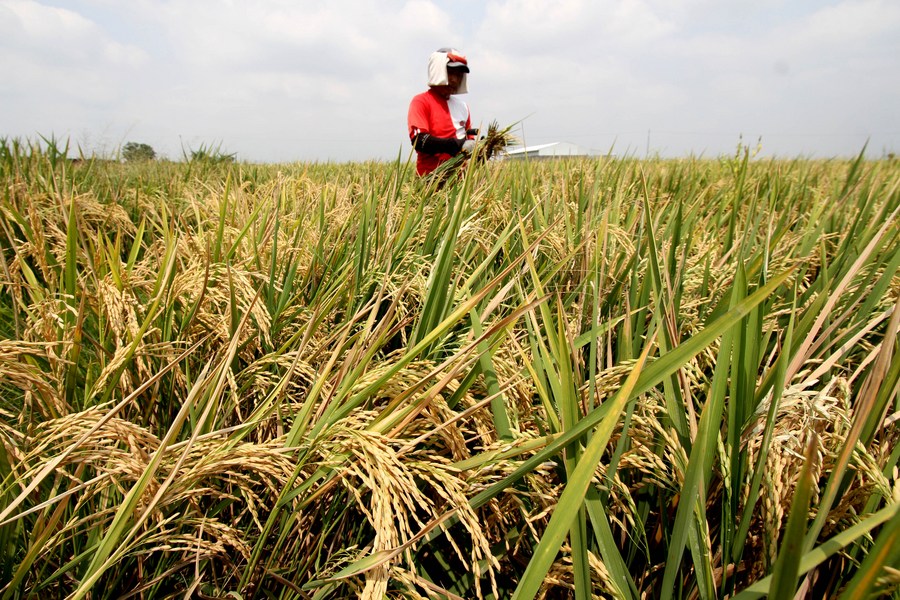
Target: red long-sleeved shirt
[431,113]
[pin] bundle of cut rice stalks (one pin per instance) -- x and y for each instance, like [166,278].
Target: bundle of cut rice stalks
[491,144]
[495,141]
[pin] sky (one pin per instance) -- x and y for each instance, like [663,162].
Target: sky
[331,80]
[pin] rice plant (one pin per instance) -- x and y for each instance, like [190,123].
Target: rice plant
[573,378]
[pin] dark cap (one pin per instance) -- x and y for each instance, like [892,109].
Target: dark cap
[456,60]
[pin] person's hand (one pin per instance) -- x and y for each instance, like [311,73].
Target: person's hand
[468,146]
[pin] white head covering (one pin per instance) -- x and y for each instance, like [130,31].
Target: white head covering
[437,68]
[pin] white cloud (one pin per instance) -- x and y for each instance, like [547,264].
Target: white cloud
[60,37]
[33,24]
[536,27]
[282,80]
[61,73]
[854,21]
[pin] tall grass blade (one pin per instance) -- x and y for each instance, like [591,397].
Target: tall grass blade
[818,555]
[571,499]
[884,554]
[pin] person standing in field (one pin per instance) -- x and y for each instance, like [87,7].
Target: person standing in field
[439,121]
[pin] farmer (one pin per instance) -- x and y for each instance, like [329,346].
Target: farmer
[439,122]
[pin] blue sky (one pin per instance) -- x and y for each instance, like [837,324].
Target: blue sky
[279,80]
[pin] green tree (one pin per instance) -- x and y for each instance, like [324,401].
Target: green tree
[132,152]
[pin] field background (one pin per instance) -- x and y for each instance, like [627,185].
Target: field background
[601,377]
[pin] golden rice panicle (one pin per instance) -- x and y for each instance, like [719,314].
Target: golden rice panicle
[386,491]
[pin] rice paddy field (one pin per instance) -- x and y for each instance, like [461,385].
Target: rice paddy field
[607,377]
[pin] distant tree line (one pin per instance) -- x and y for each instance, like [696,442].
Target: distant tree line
[135,152]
